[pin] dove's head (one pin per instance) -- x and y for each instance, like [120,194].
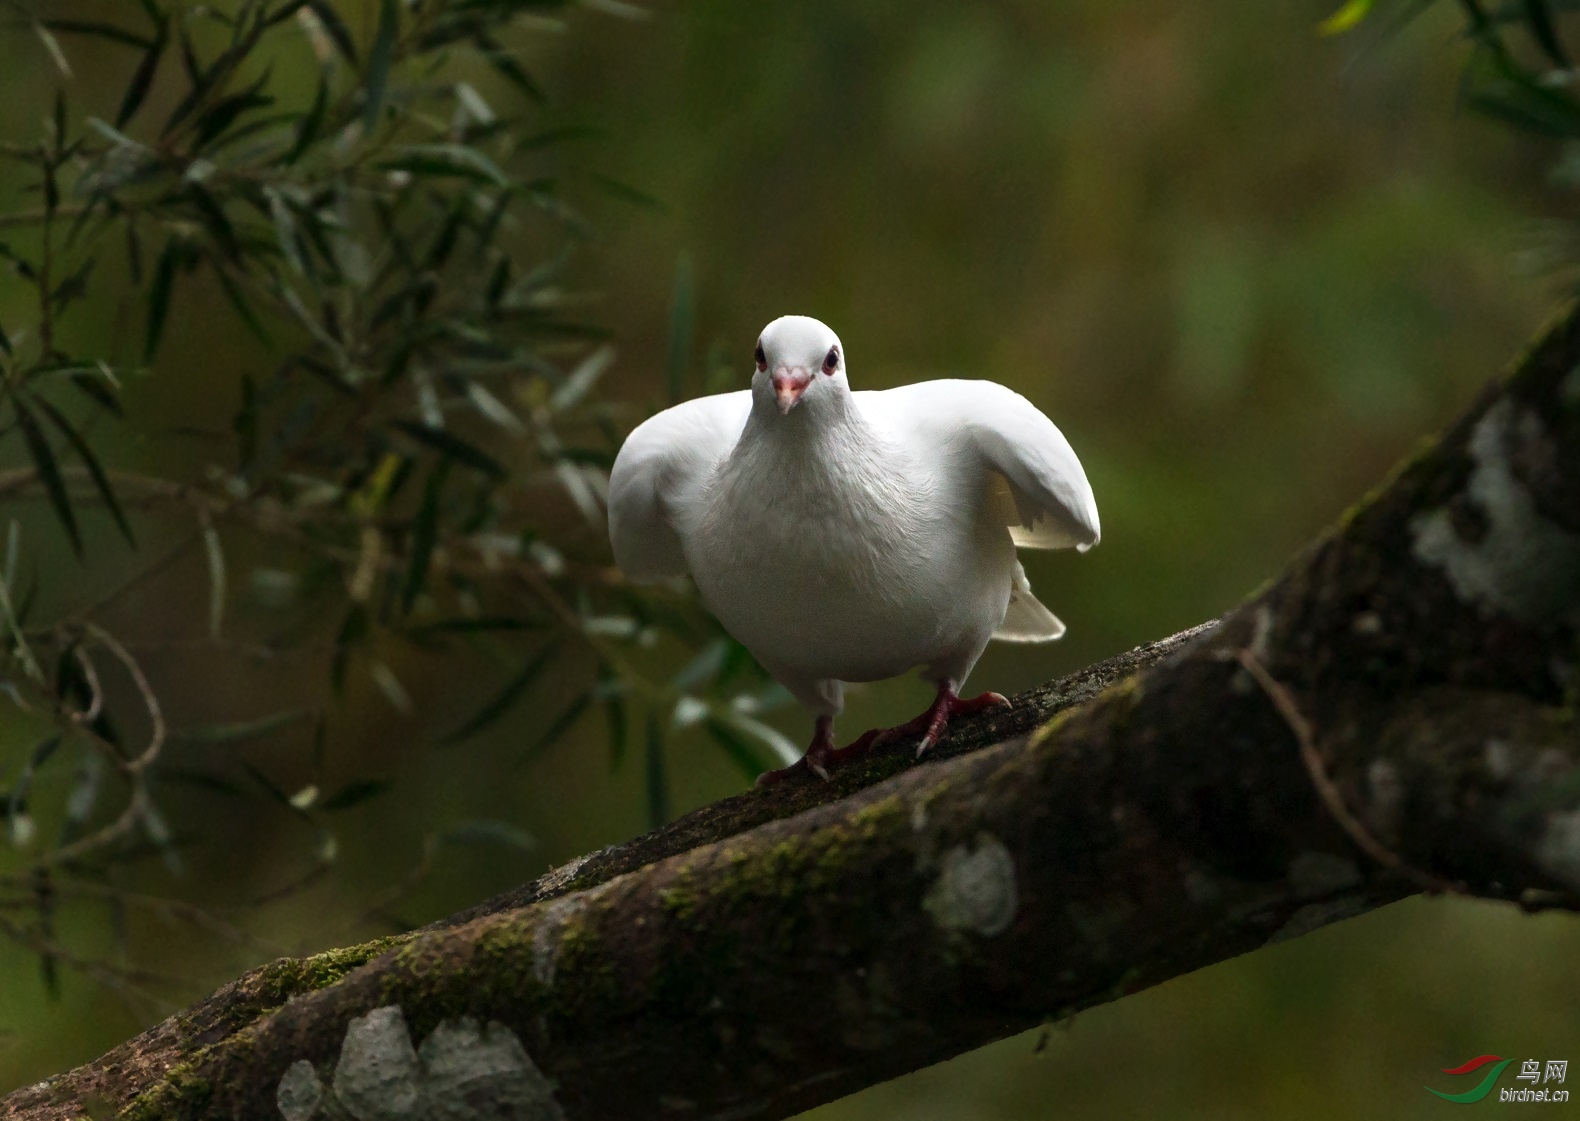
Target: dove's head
[799,359]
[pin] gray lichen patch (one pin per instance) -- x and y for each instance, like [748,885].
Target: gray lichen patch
[463,1072]
[300,1093]
[1524,565]
[1558,851]
[975,889]
[546,938]
[472,1073]
[377,1077]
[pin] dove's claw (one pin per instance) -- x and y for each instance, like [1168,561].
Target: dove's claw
[931,724]
[818,756]
[822,756]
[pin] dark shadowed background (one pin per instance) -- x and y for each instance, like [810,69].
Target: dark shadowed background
[1243,266]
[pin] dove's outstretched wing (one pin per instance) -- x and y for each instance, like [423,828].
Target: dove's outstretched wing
[1040,486]
[657,477]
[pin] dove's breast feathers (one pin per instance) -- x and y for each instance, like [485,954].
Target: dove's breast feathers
[841,555]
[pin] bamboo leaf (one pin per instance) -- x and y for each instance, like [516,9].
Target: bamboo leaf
[74,287]
[214,220]
[736,748]
[771,738]
[558,727]
[379,60]
[213,123]
[611,689]
[441,160]
[425,533]
[198,81]
[285,230]
[507,697]
[704,666]
[41,753]
[491,408]
[84,452]
[214,551]
[95,390]
[352,632]
[505,64]
[242,307]
[489,832]
[354,793]
[1540,22]
[60,124]
[52,45]
[134,253]
[159,297]
[488,624]
[290,9]
[1497,86]
[307,131]
[582,379]
[238,731]
[48,469]
[452,446]
[335,28]
[274,790]
[1347,17]
[49,971]
[626,193]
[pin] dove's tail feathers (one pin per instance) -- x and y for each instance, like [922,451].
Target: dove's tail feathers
[1026,619]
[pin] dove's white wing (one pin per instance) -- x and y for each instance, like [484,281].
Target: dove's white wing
[969,425]
[657,478]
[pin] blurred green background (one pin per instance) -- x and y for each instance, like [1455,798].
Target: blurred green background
[1242,266]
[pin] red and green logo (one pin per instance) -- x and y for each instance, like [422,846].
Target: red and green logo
[1486,1085]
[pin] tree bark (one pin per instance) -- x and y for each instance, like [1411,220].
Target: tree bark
[1396,713]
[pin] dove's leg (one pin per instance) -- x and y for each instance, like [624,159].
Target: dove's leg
[826,698]
[817,759]
[930,724]
[822,747]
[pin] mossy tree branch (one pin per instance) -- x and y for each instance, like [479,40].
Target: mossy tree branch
[1396,713]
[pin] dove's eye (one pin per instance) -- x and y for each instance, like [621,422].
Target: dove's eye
[762,359]
[831,363]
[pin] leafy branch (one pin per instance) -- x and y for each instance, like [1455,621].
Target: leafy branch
[419,439]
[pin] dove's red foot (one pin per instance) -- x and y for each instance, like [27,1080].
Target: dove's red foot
[822,756]
[818,758]
[930,724]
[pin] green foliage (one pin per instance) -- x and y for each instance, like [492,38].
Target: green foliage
[376,205]
[1519,70]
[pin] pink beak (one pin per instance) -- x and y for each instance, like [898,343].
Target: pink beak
[789,383]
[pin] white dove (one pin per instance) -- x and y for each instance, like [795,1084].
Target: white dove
[844,536]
